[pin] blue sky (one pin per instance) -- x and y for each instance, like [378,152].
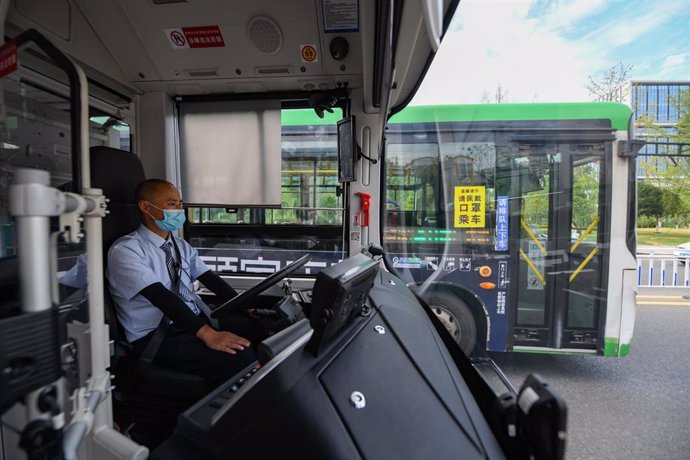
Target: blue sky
[544,50]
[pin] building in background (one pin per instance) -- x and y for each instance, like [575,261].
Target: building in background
[652,100]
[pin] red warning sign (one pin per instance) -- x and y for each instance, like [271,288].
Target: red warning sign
[195,37]
[8,58]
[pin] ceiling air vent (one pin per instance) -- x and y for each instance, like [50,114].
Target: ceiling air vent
[168,2]
[201,73]
[264,33]
[281,70]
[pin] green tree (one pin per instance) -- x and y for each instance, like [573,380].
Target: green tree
[585,204]
[650,202]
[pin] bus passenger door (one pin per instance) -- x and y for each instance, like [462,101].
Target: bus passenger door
[559,198]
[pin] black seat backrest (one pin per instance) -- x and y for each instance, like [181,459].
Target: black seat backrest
[117,173]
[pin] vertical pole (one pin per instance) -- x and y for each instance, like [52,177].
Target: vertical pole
[33,241]
[651,268]
[33,244]
[675,272]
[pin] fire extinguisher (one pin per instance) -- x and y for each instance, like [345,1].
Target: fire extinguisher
[363,217]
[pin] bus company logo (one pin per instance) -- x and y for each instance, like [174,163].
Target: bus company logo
[407,262]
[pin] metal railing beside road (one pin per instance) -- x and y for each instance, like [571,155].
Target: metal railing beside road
[662,270]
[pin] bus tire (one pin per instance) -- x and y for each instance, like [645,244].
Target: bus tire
[457,318]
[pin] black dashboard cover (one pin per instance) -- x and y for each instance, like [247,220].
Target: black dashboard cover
[411,400]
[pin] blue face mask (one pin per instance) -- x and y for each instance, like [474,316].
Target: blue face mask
[173,219]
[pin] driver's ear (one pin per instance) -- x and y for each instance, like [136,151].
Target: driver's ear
[142,206]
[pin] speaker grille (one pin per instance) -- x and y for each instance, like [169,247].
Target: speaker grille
[265,35]
[201,73]
[168,2]
[273,70]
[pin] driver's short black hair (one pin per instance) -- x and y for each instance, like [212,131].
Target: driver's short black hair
[146,189]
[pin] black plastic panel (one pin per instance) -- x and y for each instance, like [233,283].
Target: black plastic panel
[29,354]
[417,404]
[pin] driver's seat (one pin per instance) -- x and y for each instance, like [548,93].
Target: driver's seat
[152,401]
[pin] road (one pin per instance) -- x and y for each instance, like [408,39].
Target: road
[637,407]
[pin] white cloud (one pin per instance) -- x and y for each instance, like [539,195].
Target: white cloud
[626,28]
[565,14]
[499,42]
[674,61]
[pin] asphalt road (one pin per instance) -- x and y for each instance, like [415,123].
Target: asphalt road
[637,407]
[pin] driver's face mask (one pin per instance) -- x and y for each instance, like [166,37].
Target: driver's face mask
[173,219]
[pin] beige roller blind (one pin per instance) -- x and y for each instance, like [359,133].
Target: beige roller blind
[230,153]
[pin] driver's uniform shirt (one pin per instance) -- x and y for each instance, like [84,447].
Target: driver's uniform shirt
[137,261]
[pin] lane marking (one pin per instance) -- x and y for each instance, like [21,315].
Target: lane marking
[686,304]
[652,296]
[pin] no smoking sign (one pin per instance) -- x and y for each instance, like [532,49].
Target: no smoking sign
[195,37]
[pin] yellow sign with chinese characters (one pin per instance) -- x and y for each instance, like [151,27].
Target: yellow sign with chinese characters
[470,206]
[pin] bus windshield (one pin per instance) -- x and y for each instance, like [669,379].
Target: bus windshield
[505,223]
[309,220]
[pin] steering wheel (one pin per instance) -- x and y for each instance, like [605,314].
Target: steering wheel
[250,294]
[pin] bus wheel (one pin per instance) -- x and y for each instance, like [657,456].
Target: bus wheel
[457,318]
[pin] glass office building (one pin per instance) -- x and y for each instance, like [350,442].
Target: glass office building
[653,100]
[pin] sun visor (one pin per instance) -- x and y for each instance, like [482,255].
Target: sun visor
[230,153]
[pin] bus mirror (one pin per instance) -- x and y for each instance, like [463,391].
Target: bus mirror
[630,148]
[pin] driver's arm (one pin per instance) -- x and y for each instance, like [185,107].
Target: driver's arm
[173,307]
[219,287]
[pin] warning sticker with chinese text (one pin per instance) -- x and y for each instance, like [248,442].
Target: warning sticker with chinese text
[470,206]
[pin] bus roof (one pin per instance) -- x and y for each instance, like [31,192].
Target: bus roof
[618,114]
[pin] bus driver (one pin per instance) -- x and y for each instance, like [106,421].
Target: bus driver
[150,273]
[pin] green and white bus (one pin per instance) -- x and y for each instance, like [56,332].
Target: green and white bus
[517,221]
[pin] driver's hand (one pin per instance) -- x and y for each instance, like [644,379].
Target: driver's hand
[222,340]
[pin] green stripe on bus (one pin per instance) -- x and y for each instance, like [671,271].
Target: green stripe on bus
[613,348]
[552,352]
[618,114]
[301,117]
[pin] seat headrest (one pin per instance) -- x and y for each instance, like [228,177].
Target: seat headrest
[117,173]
